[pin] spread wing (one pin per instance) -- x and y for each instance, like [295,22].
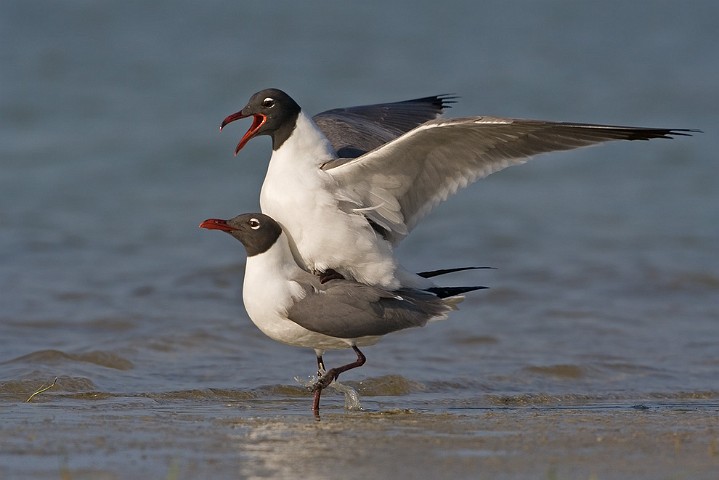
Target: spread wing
[354,131]
[400,182]
[346,309]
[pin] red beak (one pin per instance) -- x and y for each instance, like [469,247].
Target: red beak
[257,121]
[216,224]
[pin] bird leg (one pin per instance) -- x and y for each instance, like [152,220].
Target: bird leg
[320,366]
[331,375]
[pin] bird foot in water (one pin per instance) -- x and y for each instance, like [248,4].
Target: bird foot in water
[325,380]
[352,401]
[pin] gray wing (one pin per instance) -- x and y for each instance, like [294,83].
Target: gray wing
[354,131]
[346,309]
[399,183]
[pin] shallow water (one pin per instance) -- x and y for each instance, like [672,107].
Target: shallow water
[607,276]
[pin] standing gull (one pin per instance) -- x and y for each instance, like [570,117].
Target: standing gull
[294,307]
[373,200]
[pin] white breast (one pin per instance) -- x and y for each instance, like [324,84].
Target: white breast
[268,293]
[323,230]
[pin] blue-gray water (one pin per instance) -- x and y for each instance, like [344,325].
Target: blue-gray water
[607,280]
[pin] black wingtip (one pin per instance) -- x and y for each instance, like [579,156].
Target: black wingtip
[652,133]
[446,100]
[439,102]
[445,292]
[444,271]
[684,132]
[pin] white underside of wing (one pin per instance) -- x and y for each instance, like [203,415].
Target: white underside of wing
[324,203]
[399,183]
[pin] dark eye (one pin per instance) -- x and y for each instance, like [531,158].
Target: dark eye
[268,102]
[254,223]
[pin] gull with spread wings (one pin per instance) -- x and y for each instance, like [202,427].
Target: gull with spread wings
[349,184]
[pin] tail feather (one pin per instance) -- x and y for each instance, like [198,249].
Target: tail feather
[444,271]
[444,292]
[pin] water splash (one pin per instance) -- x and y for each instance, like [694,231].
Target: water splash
[352,402]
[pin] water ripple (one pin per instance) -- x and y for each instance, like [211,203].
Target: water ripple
[103,359]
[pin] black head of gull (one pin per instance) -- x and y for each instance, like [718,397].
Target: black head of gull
[351,131]
[256,231]
[274,113]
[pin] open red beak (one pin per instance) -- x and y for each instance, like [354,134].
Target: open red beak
[257,121]
[216,224]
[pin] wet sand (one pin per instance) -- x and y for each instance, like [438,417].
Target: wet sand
[95,437]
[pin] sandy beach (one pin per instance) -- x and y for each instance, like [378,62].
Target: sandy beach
[82,437]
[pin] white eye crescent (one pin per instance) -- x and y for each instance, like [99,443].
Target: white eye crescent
[268,102]
[254,223]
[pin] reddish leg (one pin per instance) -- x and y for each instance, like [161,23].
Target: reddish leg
[332,375]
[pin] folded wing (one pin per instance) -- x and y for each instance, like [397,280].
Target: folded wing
[346,309]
